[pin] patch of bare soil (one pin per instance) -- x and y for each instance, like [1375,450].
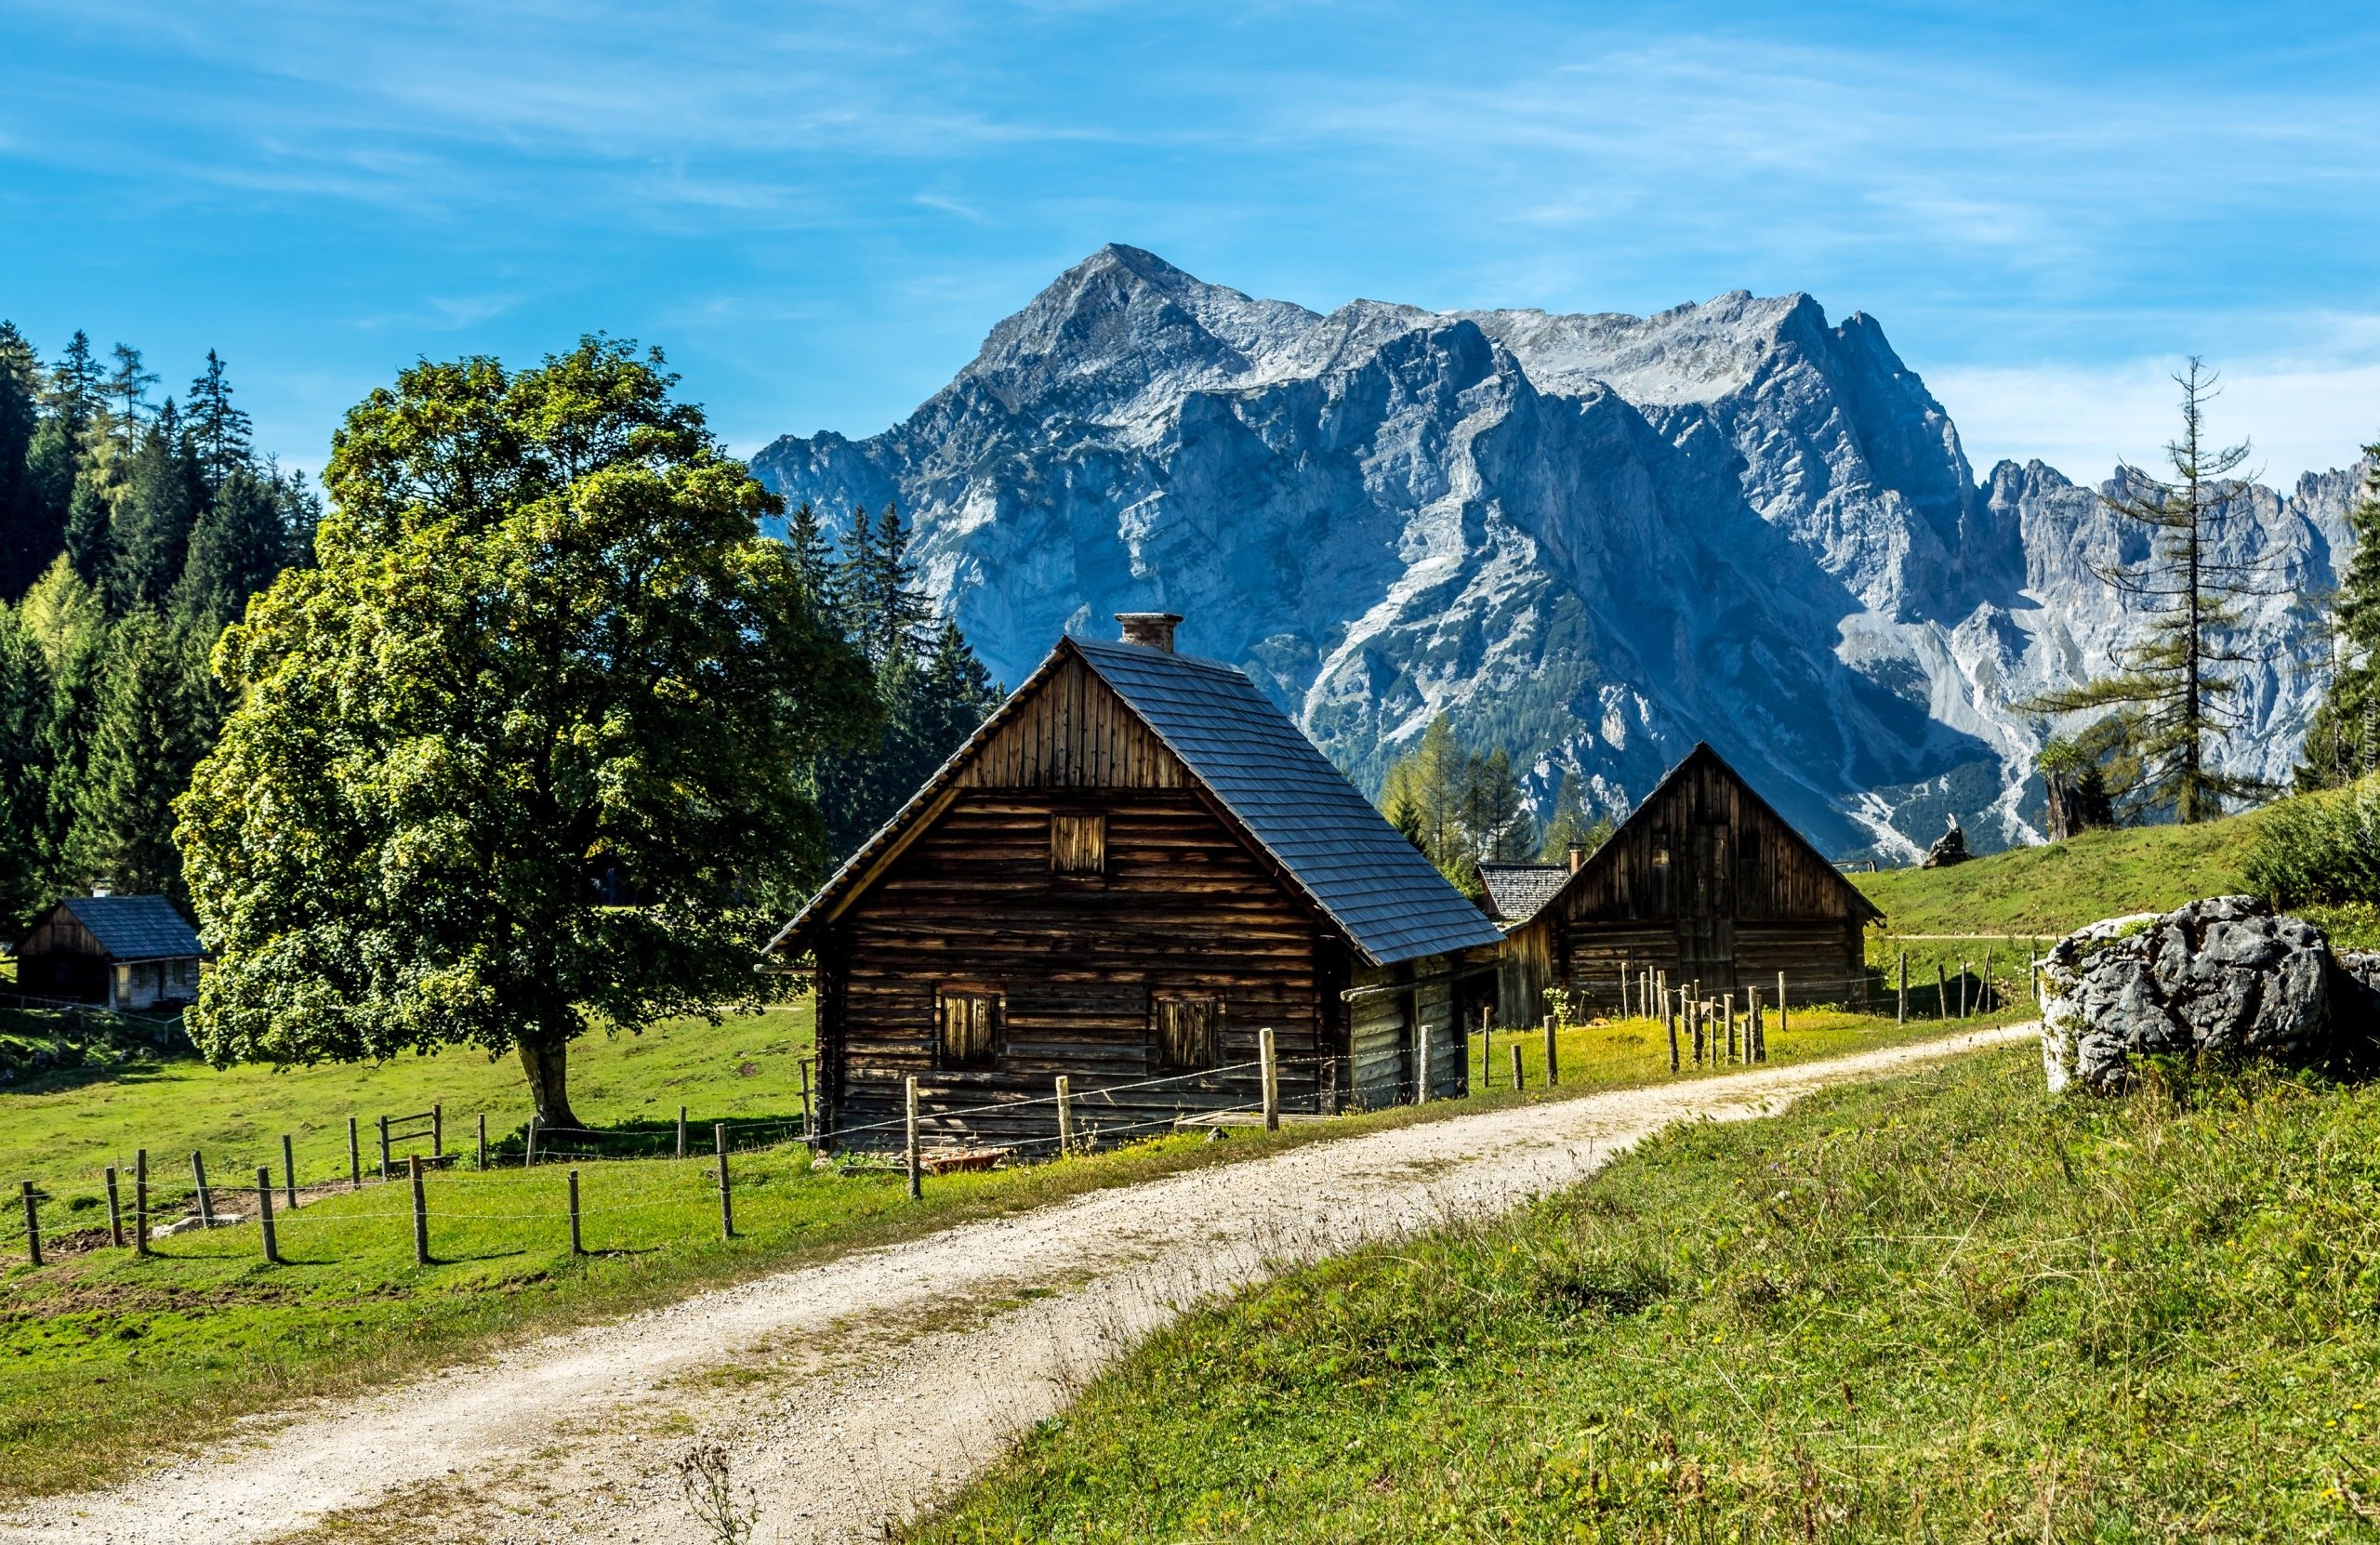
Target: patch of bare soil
[852,1394]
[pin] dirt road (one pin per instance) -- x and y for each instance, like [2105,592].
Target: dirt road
[853,1394]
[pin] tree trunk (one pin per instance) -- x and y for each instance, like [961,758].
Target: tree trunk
[547,1067]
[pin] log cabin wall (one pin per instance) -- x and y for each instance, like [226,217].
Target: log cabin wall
[62,958]
[1707,883]
[992,897]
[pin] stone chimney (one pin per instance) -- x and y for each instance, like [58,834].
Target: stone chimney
[1578,856]
[1153,629]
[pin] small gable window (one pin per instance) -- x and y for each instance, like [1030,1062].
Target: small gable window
[1189,1034]
[1078,844]
[968,1035]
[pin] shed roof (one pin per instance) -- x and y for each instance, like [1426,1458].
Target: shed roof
[1516,891]
[135,928]
[1388,900]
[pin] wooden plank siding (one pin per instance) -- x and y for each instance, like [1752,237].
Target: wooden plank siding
[1178,906]
[1703,882]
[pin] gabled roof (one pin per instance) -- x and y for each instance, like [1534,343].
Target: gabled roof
[134,928]
[1860,905]
[1516,891]
[1268,778]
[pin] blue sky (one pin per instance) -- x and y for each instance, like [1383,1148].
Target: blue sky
[819,210]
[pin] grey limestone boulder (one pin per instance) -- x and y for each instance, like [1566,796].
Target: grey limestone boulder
[2224,975]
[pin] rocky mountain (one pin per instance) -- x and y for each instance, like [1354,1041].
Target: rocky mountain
[1593,540]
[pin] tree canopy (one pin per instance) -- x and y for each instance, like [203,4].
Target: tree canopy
[542,644]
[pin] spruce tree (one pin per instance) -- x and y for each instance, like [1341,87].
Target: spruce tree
[24,711]
[2172,688]
[155,511]
[2343,742]
[813,556]
[90,539]
[45,494]
[25,546]
[76,384]
[1573,826]
[219,432]
[69,623]
[142,750]
[237,545]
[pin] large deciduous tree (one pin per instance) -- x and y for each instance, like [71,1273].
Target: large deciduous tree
[542,642]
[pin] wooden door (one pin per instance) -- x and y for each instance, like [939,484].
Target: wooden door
[1706,916]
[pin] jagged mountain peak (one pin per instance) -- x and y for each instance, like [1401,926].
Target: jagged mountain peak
[1591,538]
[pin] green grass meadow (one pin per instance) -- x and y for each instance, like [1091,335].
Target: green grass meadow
[111,1359]
[1948,1307]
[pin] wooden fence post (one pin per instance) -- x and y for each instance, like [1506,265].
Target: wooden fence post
[32,1224]
[726,1203]
[1965,972]
[205,1197]
[1553,1069]
[577,1247]
[354,1158]
[1669,1019]
[264,1214]
[437,1131]
[682,1131]
[1066,1116]
[1421,1059]
[1487,1055]
[141,1201]
[1518,1080]
[482,1141]
[1736,1053]
[1903,1016]
[1272,1076]
[1942,992]
[1780,1003]
[529,1144]
[384,1147]
[420,1212]
[808,1127]
[289,1170]
[1752,1024]
[115,1212]
[1985,1006]
[916,1181]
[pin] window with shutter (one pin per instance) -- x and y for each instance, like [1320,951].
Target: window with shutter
[970,1027]
[1078,844]
[1189,1033]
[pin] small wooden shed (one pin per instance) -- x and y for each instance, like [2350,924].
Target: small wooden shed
[1704,882]
[1136,864]
[124,952]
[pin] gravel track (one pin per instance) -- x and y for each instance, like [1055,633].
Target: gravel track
[853,1394]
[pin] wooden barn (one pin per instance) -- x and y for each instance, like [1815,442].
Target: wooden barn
[124,952]
[1704,882]
[1133,866]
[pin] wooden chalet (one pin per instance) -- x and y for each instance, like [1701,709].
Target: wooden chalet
[1706,883]
[1132,868]
[124,952]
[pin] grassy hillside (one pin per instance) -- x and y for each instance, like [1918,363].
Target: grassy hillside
[2056,888]
[1945,1308]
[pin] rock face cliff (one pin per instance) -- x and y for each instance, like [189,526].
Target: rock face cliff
[1593,540]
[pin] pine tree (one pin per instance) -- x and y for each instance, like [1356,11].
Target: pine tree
[127,392]
[883,606]
[141,752]
[1496,823]
[1573,826]
[90,539]
[44,495]
[219,432]
[2173,686]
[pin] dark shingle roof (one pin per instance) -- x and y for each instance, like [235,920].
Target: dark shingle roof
[1389,899]
[1516,890]
[134,928]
